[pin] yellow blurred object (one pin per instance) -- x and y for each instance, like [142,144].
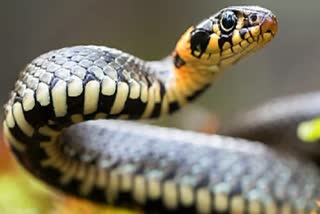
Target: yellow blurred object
[69,205]
[316,211]
[20,193]
[309,131]
[21,196]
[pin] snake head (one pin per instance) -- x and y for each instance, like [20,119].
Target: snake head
[224,38]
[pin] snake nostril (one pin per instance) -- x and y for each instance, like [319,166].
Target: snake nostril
[270,25]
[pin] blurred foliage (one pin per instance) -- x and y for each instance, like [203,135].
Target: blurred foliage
[20,193]
[309,131]
[74,206]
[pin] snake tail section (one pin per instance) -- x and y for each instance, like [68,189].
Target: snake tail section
[134,165]
[266,123]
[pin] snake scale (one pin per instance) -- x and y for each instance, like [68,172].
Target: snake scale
[160,170]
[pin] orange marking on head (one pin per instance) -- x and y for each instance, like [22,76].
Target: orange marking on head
[217,43]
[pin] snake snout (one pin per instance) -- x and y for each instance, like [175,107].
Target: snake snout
[270,25]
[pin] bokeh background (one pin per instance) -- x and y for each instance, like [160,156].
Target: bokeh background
[149,29]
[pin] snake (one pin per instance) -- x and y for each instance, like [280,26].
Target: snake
[67,122]
[266,123]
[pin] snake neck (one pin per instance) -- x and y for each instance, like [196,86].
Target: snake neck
[181,84]
[183,77]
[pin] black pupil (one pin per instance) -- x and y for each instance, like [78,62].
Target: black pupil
[228,20]
[254,17]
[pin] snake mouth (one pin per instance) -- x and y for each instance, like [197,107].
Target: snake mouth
[269,25]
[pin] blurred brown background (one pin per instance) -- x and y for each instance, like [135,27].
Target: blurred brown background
[149,29]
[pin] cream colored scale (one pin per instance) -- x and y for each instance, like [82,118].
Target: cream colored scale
[21,121]
[59,98]
[120,99]
[91,97]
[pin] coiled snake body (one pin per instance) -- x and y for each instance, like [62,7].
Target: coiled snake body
[158,169]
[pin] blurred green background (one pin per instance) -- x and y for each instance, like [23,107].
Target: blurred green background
[149,29]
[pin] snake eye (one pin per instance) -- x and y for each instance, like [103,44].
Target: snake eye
[228,21]
[254,19]
[199,42]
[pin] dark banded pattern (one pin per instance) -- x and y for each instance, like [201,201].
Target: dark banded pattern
[157,169]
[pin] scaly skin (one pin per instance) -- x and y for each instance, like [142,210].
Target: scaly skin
[276,125]
[158,169]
